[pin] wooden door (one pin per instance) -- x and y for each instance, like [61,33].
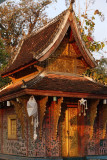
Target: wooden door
[69,133]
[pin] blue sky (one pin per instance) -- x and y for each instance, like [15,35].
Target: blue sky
[100,27]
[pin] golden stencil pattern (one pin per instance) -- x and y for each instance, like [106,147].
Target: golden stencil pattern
[64,135]
[93,113]
[56,114]
[20,115]
[42,110]
[73,137]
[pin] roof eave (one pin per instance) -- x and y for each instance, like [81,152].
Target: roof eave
[52,93]
[17,70]
[84,51]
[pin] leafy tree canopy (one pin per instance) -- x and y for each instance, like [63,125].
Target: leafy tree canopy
[18,20]
[99,73]
[3,62]
[3,55]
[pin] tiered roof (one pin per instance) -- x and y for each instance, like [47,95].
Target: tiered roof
[40,45]
[56,84]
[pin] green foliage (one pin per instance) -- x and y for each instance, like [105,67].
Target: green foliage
[20,19]
[4,56]
[100,72]
[4,81]
[87,30]
[3,62]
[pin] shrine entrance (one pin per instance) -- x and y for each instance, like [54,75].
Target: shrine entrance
[69,132]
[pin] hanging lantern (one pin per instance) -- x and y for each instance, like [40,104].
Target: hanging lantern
[8,103]
[105,101]
[32,109]
[17,99]
[82,104]
[54,99]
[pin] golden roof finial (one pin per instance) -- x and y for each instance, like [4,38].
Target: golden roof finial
[71,5]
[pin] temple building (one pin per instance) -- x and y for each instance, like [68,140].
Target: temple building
[51,110]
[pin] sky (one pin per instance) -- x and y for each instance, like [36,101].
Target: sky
[100,33]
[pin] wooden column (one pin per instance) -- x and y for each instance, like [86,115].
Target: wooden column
[42,110]
[56,115]
[93,114]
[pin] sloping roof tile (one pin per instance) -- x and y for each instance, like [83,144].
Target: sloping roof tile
[41,44]
[35,44]
[66,83]
[57,82]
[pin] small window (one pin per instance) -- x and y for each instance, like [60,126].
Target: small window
[12,134]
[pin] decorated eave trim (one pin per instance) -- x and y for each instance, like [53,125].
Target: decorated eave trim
[52,94]
[81,44]
[18,69]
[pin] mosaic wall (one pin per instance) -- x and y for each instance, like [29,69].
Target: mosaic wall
[91,140]
[45,147]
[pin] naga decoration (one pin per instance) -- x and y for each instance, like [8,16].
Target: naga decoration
[19,112]
[42,110]
[93,113]
[56,113]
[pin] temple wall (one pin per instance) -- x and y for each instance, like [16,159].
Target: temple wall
[46,146]
[17,146]
[92,140]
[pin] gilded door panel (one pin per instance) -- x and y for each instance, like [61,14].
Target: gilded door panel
[69,134]
[65,135]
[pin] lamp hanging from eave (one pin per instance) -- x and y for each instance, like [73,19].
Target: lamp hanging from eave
[8,103]
[82,104]
[32,109]
[105,101]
